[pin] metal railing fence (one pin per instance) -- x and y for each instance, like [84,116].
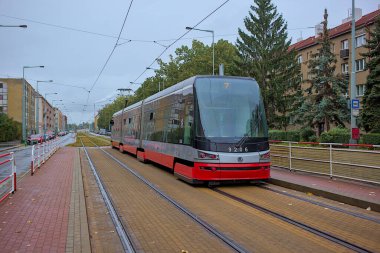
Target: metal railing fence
[8,159]
[41,153]
[330,159]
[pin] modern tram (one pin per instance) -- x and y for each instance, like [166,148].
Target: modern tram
[207,129]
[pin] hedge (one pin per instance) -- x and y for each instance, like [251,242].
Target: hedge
[371,139]
[279,135]
[336,135]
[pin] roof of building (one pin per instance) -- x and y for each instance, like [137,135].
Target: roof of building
[338,30]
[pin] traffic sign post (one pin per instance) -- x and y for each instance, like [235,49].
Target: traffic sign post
[355,133]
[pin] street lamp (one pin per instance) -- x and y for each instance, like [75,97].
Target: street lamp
[38,106]
[24,125]
[21,26]
[213,49]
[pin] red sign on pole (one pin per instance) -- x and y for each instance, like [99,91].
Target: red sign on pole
[355,133]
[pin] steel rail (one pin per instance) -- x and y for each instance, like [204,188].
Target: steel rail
[301,225]
[235,246]
[123,235]
[317,203]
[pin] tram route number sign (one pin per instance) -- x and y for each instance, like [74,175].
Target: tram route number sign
[355,133]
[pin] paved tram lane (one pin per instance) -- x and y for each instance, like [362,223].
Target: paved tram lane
[155,225]
[249,226]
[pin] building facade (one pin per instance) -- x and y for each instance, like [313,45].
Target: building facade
[11,104]
[340,38]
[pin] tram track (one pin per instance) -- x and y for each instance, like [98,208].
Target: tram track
[294,222]
[121,230]
[298,224]
[215,232]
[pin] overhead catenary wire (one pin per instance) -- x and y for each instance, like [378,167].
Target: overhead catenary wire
[110,55]
[179,38]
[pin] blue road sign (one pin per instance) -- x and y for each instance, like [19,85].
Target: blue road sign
[355,104]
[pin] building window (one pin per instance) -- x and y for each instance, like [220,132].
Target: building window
[299,59]
[360,90]
[1,85]
[344,44]
[359,65]
[332,47]
[344,68]
[360,40]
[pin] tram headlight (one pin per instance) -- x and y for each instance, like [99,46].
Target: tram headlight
[208,156]
[265,157]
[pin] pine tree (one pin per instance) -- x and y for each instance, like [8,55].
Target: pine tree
[324,104]
[264,54]
[370,115]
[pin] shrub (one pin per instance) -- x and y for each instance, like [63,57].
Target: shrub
[279,135]
[9,129]
[307,134]
[336,135]
[371,139]
[293,136]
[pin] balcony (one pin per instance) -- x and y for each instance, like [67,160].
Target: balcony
[344,53]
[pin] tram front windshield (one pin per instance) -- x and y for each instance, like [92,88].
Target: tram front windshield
[229,107]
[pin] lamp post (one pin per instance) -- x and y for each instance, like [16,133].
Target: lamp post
[20,26]
[38,106]
[353,76]
[213,49]
[24,124]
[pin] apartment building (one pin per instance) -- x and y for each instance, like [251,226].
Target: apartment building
[340,38]
[11,104]
[11,101]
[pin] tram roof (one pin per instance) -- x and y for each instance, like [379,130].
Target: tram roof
[171,89]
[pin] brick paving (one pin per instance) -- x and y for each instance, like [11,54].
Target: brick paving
[78,239]
[36,217]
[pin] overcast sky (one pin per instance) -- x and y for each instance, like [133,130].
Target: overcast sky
[76,58]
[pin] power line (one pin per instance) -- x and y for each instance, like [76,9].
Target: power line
[182,36]
[110,55]
[126,40]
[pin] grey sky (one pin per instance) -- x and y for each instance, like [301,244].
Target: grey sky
[76,58]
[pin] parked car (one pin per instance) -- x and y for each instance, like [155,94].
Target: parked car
[35,138]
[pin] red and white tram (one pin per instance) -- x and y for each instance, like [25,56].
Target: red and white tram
[206,129]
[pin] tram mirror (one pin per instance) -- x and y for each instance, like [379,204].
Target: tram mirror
[112,122]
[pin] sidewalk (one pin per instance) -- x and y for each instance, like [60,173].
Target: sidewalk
[47,213]
[350,192]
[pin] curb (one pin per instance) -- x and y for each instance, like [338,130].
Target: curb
[13,147]
[329,195]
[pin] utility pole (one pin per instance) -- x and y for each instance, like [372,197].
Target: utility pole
[354,128]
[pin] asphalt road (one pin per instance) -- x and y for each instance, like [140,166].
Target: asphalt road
[23,157]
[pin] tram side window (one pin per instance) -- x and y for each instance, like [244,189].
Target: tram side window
[188,119]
